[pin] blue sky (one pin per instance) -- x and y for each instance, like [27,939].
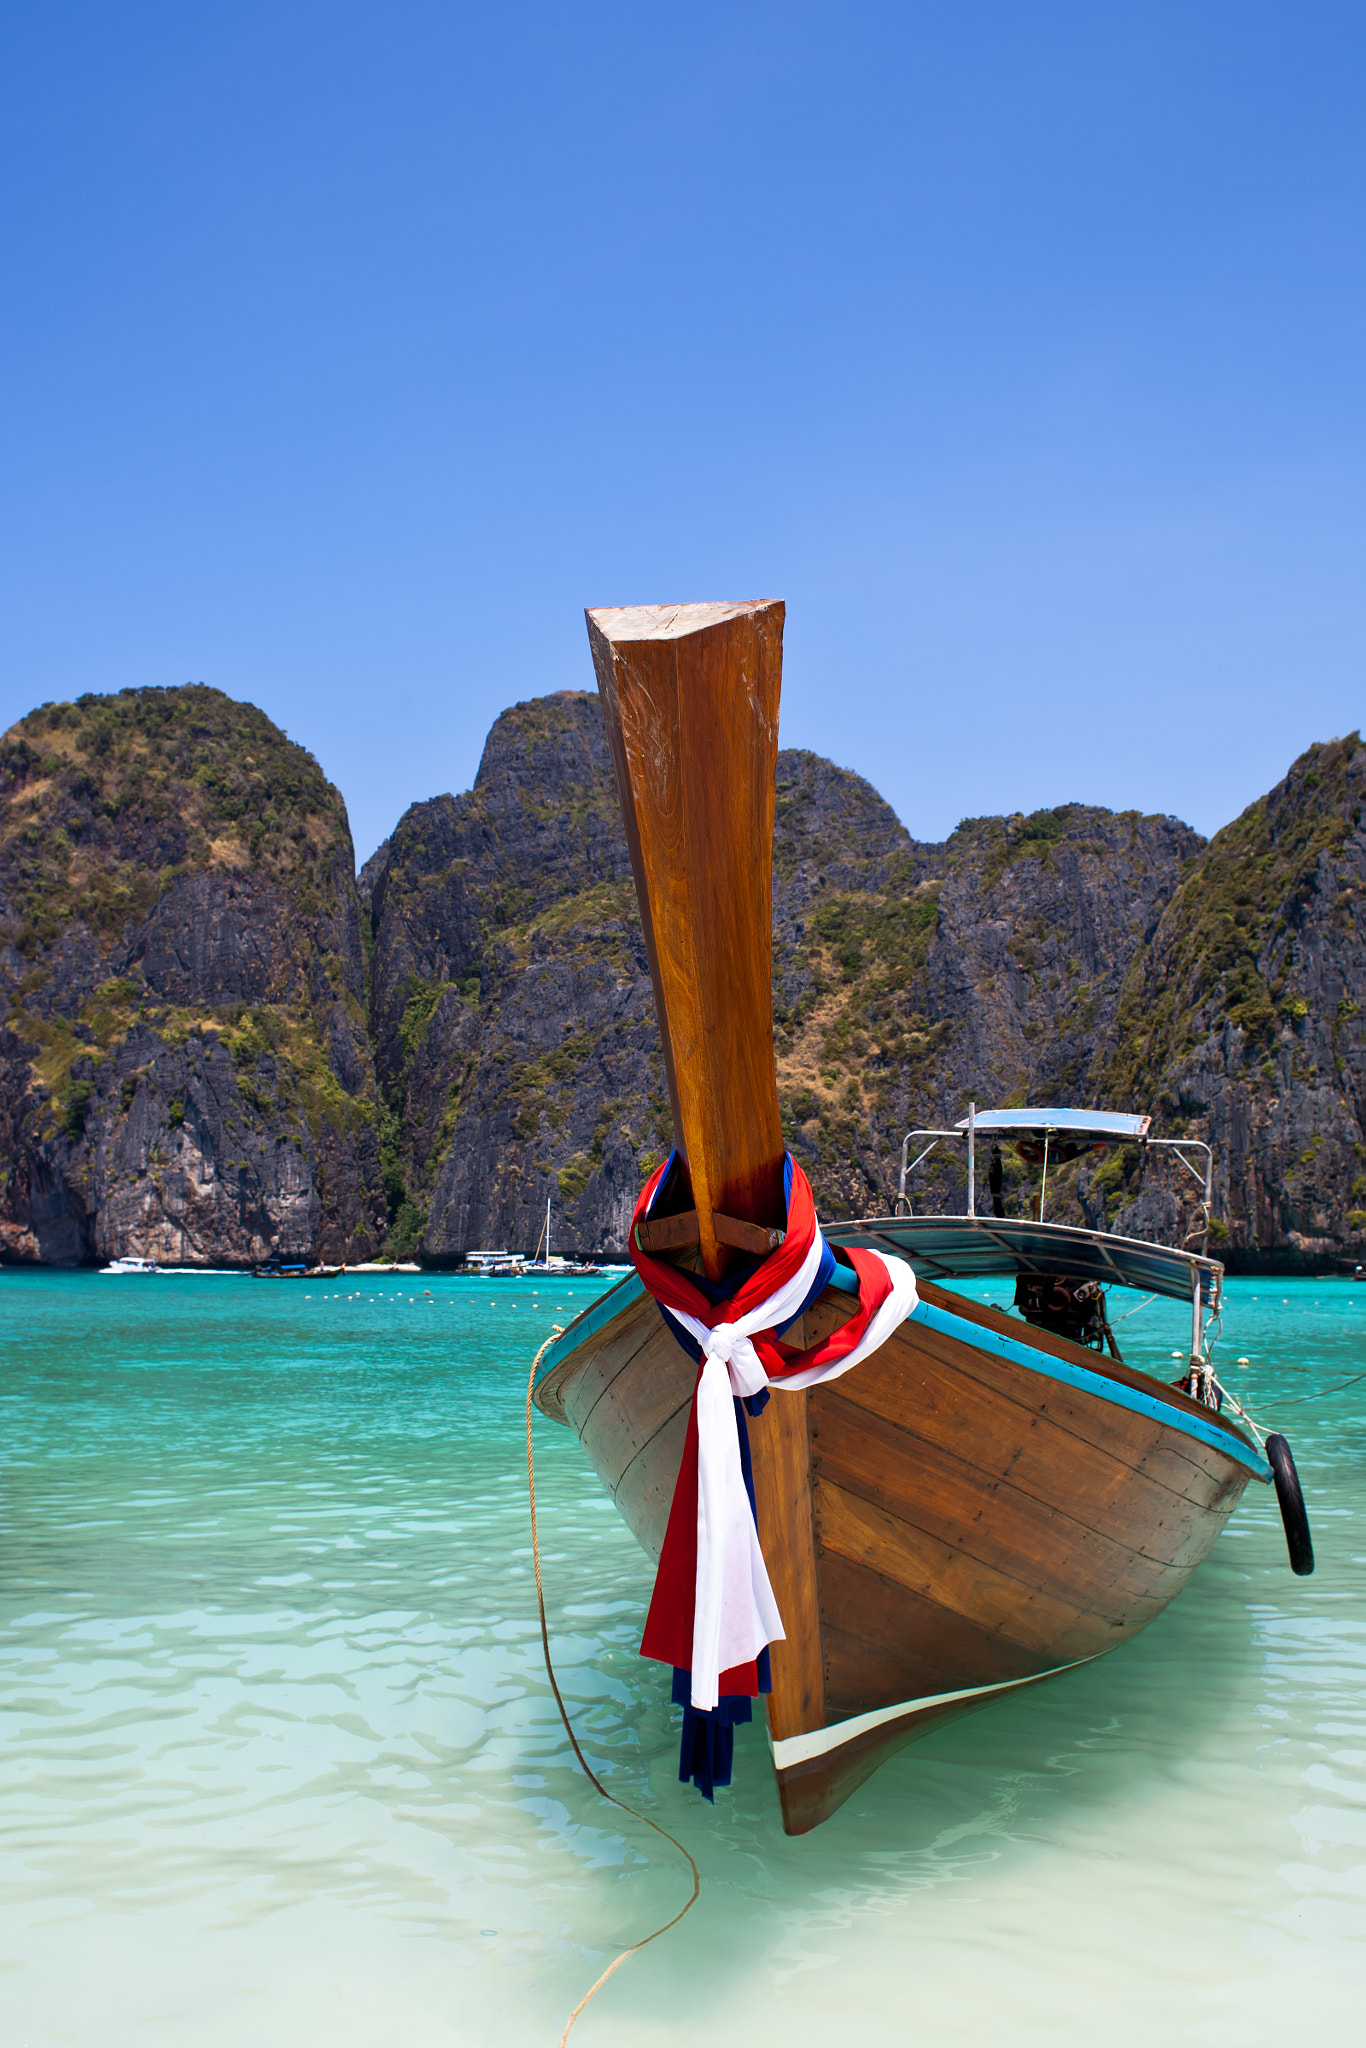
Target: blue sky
[348,352]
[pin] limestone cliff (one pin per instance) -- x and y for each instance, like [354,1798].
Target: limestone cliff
[912,978]
[1241,1022]
[184,1066]
[513,1022]
[511,1003]
[216,1044]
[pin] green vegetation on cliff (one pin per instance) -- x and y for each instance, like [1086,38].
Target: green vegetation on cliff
[1224,950]
[108,799]
[180,968]
[210,1049]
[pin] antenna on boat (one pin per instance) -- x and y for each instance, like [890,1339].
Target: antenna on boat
[1043,1184]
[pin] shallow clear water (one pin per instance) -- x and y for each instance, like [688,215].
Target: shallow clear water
[282,1766]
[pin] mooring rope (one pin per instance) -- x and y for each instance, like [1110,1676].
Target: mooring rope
[1294,1401]
[584,1764]
[1297,1400]
[1135,1309]
[1227,1394]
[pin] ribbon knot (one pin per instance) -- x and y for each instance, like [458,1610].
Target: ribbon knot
[729,1344]
[721,1342]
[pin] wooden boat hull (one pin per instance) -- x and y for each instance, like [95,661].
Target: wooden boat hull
[975,1508]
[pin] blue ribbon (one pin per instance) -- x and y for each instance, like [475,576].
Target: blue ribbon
[707,1748]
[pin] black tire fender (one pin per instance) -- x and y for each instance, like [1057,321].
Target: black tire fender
[1293,1514]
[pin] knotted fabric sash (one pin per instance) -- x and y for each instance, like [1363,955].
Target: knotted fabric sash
[713,1609]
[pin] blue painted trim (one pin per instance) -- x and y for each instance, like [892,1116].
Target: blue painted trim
[1120,1395]
[591,1321]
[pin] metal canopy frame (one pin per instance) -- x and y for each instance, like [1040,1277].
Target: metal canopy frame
[1054,1123]
[984,1248]
[1100,1125]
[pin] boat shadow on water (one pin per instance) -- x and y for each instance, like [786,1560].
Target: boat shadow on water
[1095,1736]
[1082,1793]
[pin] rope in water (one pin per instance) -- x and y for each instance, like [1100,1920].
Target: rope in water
[1297,1400]
[584,1764]
[1294,1401]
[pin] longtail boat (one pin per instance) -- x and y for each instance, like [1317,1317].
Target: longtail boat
[982,1502]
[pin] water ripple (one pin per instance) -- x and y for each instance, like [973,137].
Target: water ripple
[281,1762]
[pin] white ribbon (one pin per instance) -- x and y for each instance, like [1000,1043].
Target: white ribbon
[735,1613]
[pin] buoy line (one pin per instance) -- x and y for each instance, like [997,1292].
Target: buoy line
[1298,1400]
[584,1764]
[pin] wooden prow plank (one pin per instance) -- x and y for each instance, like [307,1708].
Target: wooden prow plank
[690,694]
[690,697]
[679,1232]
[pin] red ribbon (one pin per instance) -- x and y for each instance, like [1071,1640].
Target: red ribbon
[669,1624]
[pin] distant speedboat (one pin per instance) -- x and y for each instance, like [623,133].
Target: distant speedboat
[131,1266]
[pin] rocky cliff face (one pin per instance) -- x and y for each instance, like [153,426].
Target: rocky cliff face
[512,1009]
[913,978]
[184,1066]
[217,1045]
[510,997]
[1241,1021]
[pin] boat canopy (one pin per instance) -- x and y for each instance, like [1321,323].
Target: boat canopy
[991,1247]
[1099,1124]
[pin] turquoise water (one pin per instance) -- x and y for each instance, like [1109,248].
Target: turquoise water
[281,1764]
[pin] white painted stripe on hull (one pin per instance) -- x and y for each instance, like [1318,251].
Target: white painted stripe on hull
[800,1749]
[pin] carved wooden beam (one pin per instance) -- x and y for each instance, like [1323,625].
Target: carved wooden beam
[682,1233]
[690,697]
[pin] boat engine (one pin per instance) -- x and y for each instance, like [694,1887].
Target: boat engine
[1074,1309]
